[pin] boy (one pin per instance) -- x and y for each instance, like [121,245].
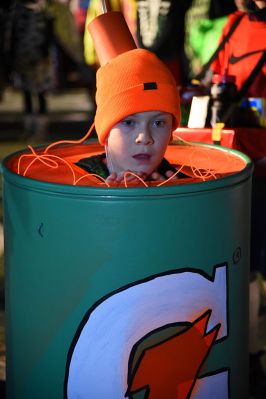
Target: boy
[137,109]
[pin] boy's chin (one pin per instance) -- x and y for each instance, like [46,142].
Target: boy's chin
[141,171]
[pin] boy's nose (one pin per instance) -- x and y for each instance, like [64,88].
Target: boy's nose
[144,138]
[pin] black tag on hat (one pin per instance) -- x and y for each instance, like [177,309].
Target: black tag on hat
[150,86]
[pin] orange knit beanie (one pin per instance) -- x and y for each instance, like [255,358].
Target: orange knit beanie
[135,81]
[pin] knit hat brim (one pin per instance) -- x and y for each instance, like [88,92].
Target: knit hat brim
[143,100]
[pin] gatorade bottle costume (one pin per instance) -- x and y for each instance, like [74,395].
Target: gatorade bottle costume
[135,81]
[244,49]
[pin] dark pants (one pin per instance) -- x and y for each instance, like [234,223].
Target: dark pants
[28,102]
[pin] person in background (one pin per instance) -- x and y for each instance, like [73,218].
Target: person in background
[80,15]
[161,29]
[31,58]
[245,47]
[204,22]
[6,14]
[70,67]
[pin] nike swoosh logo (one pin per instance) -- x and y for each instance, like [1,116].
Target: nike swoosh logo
[234,59]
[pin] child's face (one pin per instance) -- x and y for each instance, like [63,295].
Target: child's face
[260,3]
[138,142]
[241,4]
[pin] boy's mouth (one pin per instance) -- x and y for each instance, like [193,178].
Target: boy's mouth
[142,157]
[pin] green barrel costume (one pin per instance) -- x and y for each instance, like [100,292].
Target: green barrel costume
[71,251]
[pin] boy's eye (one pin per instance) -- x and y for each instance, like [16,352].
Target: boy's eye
[159,123]
[128,122]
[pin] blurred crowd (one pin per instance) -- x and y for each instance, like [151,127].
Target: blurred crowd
[45,46]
